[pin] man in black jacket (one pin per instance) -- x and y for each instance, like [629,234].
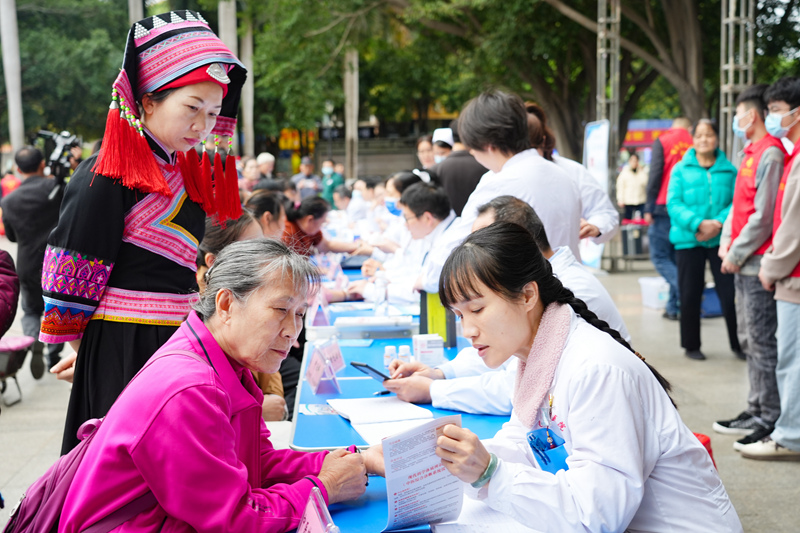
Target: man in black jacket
[459,174]
[29,215]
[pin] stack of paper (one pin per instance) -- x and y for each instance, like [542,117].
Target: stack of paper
[377,418]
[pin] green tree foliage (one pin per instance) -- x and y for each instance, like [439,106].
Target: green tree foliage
[777,40]
[71,51]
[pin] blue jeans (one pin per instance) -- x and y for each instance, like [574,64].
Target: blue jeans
[787,428]
[757,317]
[662,254]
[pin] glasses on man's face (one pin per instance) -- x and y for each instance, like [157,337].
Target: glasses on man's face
[409,219]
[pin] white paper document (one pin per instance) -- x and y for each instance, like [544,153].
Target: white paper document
[419,488]
[477,517]
[373,410]
[374,433]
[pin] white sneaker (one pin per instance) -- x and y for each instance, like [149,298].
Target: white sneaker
[769,450]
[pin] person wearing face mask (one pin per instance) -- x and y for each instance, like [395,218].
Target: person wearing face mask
[330,180]
[119,269]
[442,144]
[746,235]
[780,272]
[699,198]
[427,214]
[459,173]
[395,236]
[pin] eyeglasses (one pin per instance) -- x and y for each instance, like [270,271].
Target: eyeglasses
[409,219]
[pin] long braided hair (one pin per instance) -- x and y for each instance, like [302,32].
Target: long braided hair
[504,257]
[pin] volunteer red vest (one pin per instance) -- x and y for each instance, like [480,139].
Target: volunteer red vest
[787,167]
[675,143]
[744,194]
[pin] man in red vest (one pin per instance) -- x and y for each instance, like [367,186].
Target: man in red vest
[780,271]
[746,236]
[667,150]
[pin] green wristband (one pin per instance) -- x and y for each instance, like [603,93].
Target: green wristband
[491,468]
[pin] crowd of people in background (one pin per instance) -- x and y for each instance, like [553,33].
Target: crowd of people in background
[491,219]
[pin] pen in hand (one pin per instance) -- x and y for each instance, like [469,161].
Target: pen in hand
[381,393]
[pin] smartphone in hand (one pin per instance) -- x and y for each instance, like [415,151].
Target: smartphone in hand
[371,372]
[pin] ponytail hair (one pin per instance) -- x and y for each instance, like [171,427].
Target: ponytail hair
[504,257]
[542,137]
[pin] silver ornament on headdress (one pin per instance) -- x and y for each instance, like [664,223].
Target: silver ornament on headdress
[216,71]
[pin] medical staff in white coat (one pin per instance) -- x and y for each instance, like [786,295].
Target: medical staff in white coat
[427,213]
[494,126]
[465,383]
[599,217]
[594,443]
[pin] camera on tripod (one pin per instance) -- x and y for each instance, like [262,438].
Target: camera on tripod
[58,161]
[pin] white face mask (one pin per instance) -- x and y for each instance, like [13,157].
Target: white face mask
[774,122]
[439,158]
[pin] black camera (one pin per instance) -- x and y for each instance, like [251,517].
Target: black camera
[58,145]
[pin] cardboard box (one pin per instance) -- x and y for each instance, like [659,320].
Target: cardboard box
[428,348]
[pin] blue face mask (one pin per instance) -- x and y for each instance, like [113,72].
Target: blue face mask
[738,131]
[327,171]
[773,124]
[391,206]
[439,158]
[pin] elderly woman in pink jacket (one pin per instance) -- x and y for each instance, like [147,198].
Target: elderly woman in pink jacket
[186,436]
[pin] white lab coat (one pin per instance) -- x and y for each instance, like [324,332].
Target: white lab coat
[633,464]
[403,269]
[552,193]
[480,389]
[596,205]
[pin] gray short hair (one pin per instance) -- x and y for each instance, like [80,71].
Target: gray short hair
[244,267]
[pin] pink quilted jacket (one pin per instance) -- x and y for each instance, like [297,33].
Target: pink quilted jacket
[193,434]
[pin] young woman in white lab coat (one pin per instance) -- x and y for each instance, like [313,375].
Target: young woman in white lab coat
[594,442]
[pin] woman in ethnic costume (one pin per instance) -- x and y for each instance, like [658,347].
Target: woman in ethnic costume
[119,270]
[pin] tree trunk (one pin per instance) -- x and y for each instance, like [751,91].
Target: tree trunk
[682,65]
[248,91]
[135,11]
[226,12]
[12,71]
[351,113]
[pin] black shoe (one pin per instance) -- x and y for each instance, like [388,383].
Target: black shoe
[740,355]
[697,355]
[37,360]
[744,424]
[670,316]
[761,433]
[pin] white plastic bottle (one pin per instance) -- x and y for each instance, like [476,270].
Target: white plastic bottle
[389,353]
[405,354]
[381,287]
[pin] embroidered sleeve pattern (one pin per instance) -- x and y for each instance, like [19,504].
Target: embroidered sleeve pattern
[72,285]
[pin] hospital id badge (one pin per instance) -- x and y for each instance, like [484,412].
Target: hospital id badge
[548,448]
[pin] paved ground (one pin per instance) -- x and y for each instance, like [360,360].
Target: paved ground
[766,495]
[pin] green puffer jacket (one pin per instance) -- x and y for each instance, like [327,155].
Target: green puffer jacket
[696,194]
